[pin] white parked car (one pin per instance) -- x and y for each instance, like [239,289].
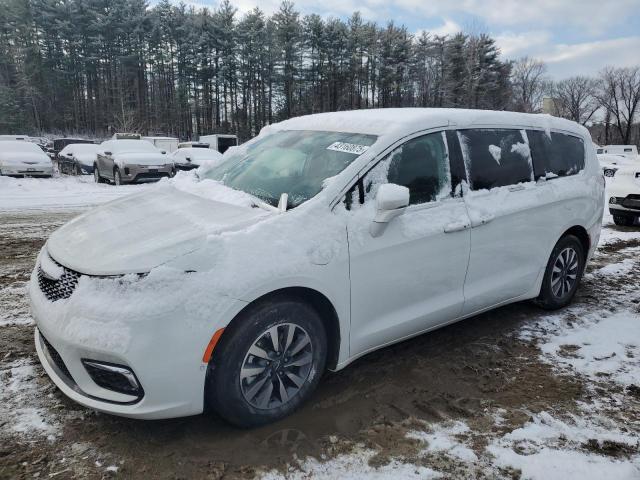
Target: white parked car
[624,195]
[21,158]
[629,151]
[611,163]
[190,158]
[166,144]
[78,158]
[324,238]
[131,161]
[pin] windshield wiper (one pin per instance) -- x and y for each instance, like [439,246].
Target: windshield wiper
[258,202]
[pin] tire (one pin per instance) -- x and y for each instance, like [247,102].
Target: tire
[77,170]
[117,178]
[624,220]
[258,398]
[559,287]
[96,175]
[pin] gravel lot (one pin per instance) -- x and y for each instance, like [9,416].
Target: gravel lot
[512,393]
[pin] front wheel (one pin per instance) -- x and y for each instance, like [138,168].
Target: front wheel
[268,362]
[96,175]
[624,220]
[117,179]
[563,274]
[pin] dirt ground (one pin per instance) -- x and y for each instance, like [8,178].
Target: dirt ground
[460,372]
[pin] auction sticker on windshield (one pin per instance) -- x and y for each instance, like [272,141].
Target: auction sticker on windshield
[348,148]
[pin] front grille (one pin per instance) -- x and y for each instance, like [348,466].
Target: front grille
[151,176]
[60,289]
[57,359]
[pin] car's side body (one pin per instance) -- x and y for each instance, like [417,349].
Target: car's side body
[78,159]
[471,247]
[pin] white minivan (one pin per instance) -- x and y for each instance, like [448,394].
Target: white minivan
[322,239]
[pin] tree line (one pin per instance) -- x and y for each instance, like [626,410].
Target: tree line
[99,66]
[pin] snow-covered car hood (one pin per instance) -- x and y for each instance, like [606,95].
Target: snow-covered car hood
[140,232]
[142,158]
[29,158]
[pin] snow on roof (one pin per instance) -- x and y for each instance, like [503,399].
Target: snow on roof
[384,121]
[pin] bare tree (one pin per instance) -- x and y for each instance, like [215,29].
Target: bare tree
[620,97]
[529,83]
[575,98]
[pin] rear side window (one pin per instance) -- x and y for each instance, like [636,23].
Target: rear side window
[557,154]
[496,157]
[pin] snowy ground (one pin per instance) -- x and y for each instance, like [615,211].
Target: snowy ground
[513,393]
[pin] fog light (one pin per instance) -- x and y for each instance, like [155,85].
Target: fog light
[612,200]
[117,378]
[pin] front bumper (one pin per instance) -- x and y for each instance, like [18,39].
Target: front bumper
[627,206]
[186,166]
[145,174]
[27,170]
[162,346]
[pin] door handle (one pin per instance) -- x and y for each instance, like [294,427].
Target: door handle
[516,188]
[483,220]
[456,227]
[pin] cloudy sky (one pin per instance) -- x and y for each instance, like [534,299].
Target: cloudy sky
[571,36]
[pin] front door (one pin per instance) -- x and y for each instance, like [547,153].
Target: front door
[410,278]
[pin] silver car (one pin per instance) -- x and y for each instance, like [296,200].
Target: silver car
[131,161]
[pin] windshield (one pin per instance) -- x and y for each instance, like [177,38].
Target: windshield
[80,148]
[126,146]
[293,162]
[20,146]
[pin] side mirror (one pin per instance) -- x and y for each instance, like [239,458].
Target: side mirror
[188,159]
[391,202]
[107,153]
[164,152]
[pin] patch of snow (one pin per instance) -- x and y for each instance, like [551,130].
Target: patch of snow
[442,438]
[547,448]
[601,346]
[496,153]
[353,466]
[19,401]
[620,268]
[58,192]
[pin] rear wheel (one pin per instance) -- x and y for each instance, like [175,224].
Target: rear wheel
[268,363]
[563,273]
[624,220]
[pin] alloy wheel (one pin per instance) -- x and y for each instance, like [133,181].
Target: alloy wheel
[276,366]
[565,272]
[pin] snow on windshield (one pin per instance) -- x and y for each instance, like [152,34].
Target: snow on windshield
[296,162]
[20,146]
[125,146]
[81,148]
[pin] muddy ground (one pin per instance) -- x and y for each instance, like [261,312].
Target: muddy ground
[461,372]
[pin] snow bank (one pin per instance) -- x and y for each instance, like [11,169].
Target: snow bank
[58,192]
